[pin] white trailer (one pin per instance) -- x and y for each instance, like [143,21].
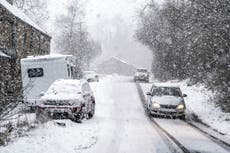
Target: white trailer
[39,72]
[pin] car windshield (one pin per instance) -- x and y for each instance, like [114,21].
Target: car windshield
[142,70]
[163,91]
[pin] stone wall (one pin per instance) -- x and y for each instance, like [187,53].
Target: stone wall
[28,41]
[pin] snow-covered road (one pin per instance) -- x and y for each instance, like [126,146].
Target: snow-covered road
[119,126]
[123,125]
[190,137]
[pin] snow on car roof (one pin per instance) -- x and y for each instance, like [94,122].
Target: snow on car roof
[45,57]
[63,89]
[18,13]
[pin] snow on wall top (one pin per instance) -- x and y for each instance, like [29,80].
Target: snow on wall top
[4,55]
[18,13]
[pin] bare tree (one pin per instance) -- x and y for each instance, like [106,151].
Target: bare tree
[73,37]
[35,9]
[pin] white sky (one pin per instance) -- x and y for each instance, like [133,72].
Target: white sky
[112,23]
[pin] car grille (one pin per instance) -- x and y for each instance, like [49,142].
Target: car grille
[169,106]
[56,103]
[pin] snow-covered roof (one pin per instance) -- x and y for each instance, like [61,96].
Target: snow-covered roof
[4,55]
[45,57]
[19,13]
[117,59]
[121,60]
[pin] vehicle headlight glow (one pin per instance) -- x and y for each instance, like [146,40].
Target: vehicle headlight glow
[181,106]
[156,105]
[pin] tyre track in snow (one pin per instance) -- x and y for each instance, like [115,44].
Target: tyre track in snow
[223,144]
[169,139]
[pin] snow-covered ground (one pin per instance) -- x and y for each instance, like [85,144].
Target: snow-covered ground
[119,125]
[198,102]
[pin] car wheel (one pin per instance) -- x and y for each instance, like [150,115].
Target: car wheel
[147,111]
[182,117]
[78,117]
[92,112]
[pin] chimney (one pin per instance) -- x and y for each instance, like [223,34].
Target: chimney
[10,1]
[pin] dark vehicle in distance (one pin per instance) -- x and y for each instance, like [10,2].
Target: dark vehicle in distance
[166,101]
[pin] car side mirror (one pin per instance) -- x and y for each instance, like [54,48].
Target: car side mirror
[148,94]
[184,95]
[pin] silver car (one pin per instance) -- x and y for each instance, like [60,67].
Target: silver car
[141,75]
[166,101]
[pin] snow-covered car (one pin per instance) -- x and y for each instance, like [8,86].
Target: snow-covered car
[166,101]
[91,76]
[72,99]
[141,75]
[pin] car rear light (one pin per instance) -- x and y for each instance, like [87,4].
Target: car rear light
[41,108]
[76,109]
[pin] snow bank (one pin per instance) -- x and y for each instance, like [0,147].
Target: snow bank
[52,138]
[71,138]
[199,101]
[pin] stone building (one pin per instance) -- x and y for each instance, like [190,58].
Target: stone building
[19,37]
[115,65]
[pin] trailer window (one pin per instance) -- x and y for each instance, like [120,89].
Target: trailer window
[35,72]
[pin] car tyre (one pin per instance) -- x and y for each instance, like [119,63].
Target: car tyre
[78,117]
[182,117]
[92,112]
[148,111]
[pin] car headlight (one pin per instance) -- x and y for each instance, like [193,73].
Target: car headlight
[181,106]
[156,105]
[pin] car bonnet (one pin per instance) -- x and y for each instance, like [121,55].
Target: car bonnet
[167,100]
